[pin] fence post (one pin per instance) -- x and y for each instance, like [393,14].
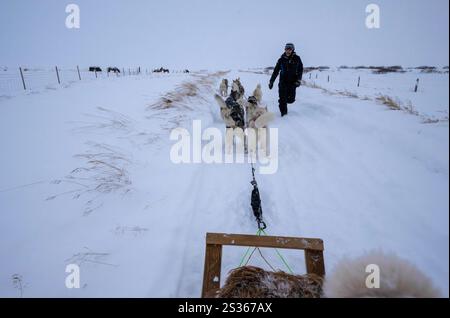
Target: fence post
[310,75]
[123,71]
[417,86]
[328,79]
[359,80]
[57,74]
[23,80]
[317,75]
[78,70]
[95,71]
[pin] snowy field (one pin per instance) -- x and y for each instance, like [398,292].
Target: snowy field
[430,100]
[85,178]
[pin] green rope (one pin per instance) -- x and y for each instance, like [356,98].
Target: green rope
[245,255]
[265,260]
[251,254]
[281,256]
[248,249]
[278,252]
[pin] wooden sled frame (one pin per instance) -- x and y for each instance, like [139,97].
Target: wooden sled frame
[313,248]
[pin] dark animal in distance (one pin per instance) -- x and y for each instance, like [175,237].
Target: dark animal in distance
[113,69]
[161,70]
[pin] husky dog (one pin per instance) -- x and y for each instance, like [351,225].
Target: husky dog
[231,109]
[239,89]
[223,88]
[257,115]
[397,278]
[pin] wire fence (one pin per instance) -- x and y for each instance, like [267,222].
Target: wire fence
[13,80]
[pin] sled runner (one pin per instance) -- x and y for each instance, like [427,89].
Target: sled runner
[313,248]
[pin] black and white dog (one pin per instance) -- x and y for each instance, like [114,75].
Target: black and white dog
[232,109]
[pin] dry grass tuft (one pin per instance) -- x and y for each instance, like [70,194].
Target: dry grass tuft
[409,108]
[254,282]
[179,97]
[106,119]
[389,102]
[104,171]
[89,257]
[348,94]
[433,120]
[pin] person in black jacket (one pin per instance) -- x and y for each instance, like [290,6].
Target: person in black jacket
[290,68]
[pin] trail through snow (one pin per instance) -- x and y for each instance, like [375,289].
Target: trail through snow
[351,172]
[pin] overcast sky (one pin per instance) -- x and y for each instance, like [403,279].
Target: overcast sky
[208,34]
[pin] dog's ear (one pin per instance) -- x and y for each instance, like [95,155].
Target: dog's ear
[220,101]
[235,86]
[258,93]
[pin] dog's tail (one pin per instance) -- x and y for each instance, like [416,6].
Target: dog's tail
[258,93]
[220,101]
[264,120]
[397,278]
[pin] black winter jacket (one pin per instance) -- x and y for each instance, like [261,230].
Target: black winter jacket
[290,69]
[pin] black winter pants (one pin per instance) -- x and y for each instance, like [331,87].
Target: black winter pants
[286,93]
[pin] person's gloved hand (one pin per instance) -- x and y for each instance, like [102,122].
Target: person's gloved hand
[298,83]
[270,85]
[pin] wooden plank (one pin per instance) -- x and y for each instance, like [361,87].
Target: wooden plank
[265,241]
[211,274]
[314,262]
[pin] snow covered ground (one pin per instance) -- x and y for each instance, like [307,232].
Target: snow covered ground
[431,99]
[86,178]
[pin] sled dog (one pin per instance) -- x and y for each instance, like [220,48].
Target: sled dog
[231,109]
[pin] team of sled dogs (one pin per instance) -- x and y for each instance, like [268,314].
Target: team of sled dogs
[238,112]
